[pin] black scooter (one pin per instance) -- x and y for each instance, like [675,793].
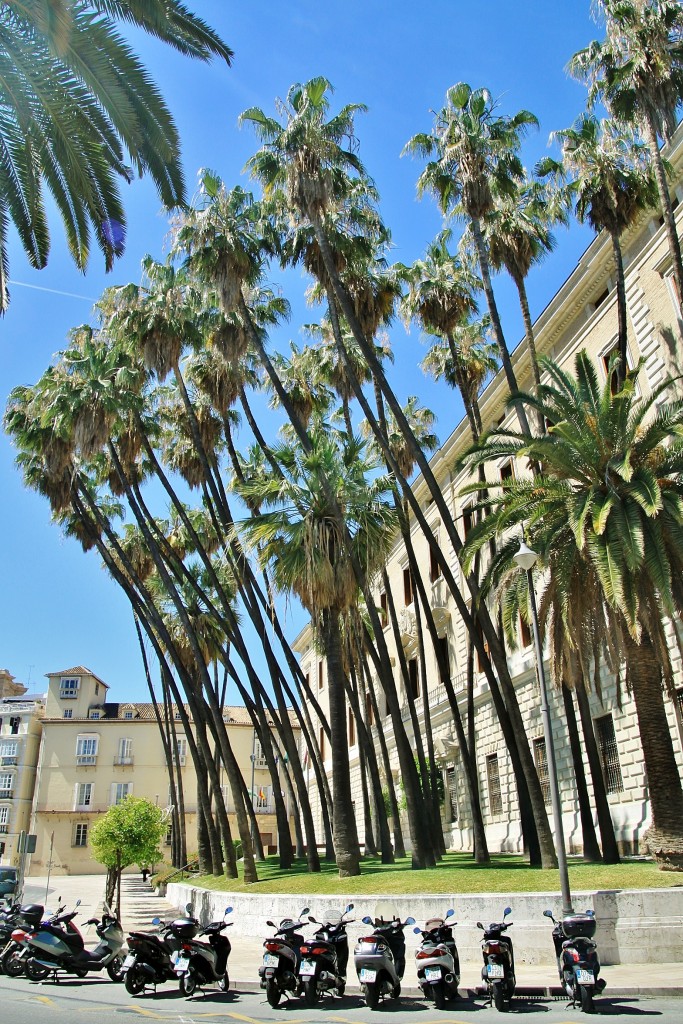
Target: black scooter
[200,963]
[17,918]
[577,957]
[279,972]
[498,972]
[380,959]
[324,958]
[150,954]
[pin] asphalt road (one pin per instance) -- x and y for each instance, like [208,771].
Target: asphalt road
[102,1002]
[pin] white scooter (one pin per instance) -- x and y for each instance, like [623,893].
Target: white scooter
[380,959]
[437,961]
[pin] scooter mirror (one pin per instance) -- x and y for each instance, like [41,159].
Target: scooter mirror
[156,920]
[349,908]
[270,924]
[548,913]
[449,913]
[228,910]
[78,903]
[480,925]
[312,920]
[508,910]
[590,913]
[418,931]
[410,920]
[367,920]
[304,911]
[188,908]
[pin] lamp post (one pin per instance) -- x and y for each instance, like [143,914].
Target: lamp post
[526,559]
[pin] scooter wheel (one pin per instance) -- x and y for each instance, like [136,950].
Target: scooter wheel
[341,988]
[224,982]
[310,992]
[115,969]
[396,991]
[499,1000]
[134,981]
[439,995]
[188,983]
[586,993]
[371,996]
[13,963]
[35,971]
[273,993]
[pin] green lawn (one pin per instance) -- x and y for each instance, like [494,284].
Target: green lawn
[456,874]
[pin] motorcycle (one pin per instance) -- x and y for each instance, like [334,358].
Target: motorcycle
[324,958]
[59,946]
[150,957]
[577,957]
[198,963]
[280,969]
[437,961]
[498,972]
[380,959]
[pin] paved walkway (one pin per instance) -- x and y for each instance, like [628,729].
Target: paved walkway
[139,904]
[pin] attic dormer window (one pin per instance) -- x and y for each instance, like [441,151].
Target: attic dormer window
[128,714]
[68,687]
[95,714]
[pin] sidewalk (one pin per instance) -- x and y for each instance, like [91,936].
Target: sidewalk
[139,904]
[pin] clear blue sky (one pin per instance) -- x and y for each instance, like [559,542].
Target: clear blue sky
[58,608]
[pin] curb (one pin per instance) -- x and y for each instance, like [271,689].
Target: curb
[549,992]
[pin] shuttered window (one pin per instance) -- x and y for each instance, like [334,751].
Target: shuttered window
[609,754]
[493,782]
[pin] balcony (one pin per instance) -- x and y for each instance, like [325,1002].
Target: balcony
[6,794]
[68,694]
[82,759]
[8,760]
[4,828]
[123,761]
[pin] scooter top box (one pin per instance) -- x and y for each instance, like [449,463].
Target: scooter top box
[185,927]
[579,925]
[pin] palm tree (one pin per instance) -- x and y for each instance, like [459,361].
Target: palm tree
[469,148]
[610,186]
[301,541]
[464,361]
[638,72]
[606,519]
[77,103]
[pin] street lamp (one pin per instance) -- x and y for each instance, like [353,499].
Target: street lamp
[526,559]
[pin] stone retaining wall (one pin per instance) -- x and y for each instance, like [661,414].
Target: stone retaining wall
[634,926]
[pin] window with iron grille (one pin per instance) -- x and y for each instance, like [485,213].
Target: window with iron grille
[452,786]
[541,762]
[493,782]
[609,754]
[80,834]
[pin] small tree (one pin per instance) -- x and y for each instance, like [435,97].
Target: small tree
[129,833]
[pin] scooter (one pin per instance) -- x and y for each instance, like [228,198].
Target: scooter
[54,948]
[17,951]
[324,958]
[498,972]
[199,963]
[280,969]
[437,961]
[150,957]
[380,959]
[577,957]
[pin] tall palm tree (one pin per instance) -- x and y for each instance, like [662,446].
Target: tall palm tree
[77,104]
[638,72]
[607,521]
[610,185]
[300,540]
[469,148]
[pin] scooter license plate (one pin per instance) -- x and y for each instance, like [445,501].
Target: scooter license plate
[307,968]
[181,964]
[585,977]
[495,971]
[366,974]
[129,961]
[270,960]
[432,974]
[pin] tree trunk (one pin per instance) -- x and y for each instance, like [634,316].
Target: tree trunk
[346,848]
[664,838]
[591,849]
[608,840]
[622,338]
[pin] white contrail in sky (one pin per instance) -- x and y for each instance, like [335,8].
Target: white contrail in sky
[53,291]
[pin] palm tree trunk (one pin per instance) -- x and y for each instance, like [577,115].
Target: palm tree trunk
[591,849]
[667,209]
[608,840]
[530,340]
[496,324]
[622,339]
[399,846]
[347,851]
[664,838]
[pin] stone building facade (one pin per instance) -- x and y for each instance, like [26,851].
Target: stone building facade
[582,315]
[20,724]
